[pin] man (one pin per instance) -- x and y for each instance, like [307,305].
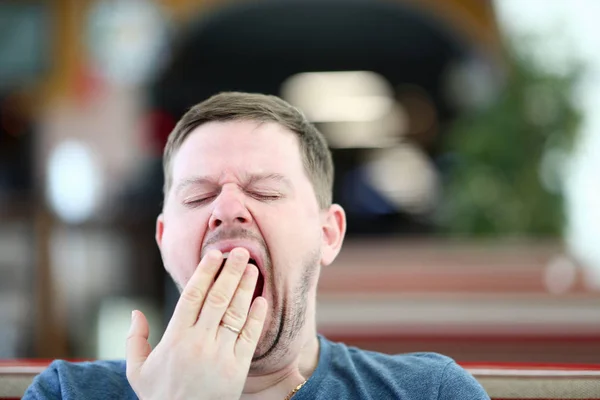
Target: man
[246,226]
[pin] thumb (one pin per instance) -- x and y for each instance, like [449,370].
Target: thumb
[138,348]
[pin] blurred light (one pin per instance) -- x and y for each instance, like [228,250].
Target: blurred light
[340,96]
[405,176]
[569,33]
[583,207]
[354,109]
[568,29]
[552,169]
[382,133]
[560,275]
[127,40]
[73,182]
[114,319]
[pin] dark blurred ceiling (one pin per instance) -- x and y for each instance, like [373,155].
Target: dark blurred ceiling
[255,46]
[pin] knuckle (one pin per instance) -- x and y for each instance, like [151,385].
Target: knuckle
[193,295]
[234,316]
[234,272]
[246,336]
[217,299]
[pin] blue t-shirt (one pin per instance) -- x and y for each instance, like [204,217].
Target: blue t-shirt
[343,372]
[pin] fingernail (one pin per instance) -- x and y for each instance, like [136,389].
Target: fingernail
[132,315]
[213,254]
[238,254]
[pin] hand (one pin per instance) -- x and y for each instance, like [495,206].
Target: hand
[198,357]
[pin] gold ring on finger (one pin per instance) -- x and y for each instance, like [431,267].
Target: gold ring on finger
[231,328]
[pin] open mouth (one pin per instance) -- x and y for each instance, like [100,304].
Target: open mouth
[260,283]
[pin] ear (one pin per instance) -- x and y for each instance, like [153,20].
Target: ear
[333,232]
[160,228]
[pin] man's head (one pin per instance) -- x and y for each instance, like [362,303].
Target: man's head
[235,106]
[248,170]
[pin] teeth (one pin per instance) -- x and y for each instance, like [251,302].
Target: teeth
[225,255]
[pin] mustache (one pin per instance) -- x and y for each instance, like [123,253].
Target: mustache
[233,234]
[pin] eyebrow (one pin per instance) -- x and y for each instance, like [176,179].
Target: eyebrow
[258,178]
[194,181]
[251,179]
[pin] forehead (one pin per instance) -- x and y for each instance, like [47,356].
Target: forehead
[238,148]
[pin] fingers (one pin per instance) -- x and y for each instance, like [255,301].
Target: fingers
[220,295]
[138,348]
[248,338]
[237,312]
[193,296]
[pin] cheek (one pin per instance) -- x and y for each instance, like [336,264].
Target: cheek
[287,228]
[304,229]
[291,238]
[182,239]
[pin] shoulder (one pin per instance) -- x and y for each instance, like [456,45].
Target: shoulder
[457,383]
[408,365]
[70,380]
[415,375]
[104,372]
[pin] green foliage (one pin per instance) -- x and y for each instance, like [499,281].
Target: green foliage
[495,188]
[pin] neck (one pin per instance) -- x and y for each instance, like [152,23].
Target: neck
[279,383]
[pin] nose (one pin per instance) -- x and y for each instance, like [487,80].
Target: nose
[229,210]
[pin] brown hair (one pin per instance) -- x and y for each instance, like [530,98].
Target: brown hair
[232,106]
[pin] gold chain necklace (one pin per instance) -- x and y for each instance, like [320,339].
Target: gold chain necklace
[293,392]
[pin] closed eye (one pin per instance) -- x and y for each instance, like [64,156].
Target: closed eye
[265,197]
[196,202]
[199,202]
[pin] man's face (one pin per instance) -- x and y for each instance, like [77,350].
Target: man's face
[243,184]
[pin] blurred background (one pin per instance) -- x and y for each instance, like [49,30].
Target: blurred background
[465,134]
